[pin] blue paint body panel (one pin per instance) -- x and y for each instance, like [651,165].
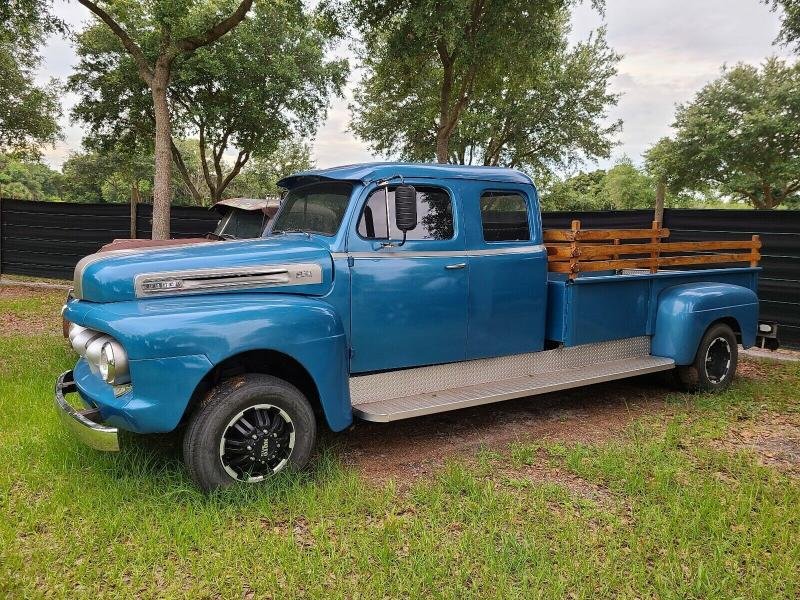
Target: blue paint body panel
[380,308]
[216,327]
[111,279]
[603,307]
[407,310]
[685,312]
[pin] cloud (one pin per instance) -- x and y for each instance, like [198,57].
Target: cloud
[671,49]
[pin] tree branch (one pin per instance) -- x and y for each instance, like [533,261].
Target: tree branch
[178,160]
[241,161]
[145,72]
[193,42]
[204,162]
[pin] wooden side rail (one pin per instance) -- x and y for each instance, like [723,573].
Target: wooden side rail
[579,250]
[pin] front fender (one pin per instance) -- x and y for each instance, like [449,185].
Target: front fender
[307,329]
[686,311]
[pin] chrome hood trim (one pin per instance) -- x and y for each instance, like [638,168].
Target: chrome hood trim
[199,281]
[86,261]
[288,264]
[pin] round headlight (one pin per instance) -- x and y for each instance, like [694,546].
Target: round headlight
[112,363]
[107,365]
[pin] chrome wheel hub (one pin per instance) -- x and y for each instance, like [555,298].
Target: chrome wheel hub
[257,443]
[718,360]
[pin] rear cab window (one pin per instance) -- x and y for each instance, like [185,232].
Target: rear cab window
[504,217]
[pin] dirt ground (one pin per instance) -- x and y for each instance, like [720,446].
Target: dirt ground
[409,449]
[28,320]
[774,438]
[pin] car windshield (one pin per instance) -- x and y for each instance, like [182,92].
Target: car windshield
[315,208]
[241,224]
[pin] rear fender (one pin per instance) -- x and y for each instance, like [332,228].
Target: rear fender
[686,311]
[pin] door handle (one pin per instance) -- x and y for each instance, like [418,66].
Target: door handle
[455,266]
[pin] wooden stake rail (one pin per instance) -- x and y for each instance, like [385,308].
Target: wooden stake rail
[579,250]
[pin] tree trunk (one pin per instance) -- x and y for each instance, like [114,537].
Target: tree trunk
[442,143]
[661,192]
[134,205]
[162,182]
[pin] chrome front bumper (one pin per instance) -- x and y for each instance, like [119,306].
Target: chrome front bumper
[84,424]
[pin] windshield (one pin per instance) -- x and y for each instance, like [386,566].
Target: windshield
[241,224]
[316,208]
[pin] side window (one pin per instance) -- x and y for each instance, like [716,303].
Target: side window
[434,216]
[504,216]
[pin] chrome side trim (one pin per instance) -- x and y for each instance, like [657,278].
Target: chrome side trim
[91,433]
[442,253]
[197,281]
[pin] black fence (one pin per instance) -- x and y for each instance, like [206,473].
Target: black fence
[46,239]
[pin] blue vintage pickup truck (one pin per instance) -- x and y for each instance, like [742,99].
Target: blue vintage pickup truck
[380,292]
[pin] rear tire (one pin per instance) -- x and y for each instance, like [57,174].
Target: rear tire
[247,430]
[714,364]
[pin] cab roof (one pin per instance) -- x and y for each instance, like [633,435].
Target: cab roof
[377,171]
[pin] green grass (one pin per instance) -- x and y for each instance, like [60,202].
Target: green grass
[677,518]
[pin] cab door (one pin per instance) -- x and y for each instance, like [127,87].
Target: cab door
[408,302]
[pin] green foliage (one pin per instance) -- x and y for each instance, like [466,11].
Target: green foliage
[739,136]
[623,187]
[545,116]
[28,112]
[264,83]
[790,20]
[97,176]
[260,177]
[25,179]
[488,82]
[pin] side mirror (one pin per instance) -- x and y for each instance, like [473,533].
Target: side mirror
[405,208]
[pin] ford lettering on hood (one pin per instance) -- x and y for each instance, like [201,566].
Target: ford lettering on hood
[287,263]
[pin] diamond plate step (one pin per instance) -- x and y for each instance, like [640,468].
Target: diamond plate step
[395,409]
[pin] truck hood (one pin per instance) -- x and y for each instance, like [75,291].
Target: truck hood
[293,263]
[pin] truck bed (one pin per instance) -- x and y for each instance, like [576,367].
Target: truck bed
[609,306]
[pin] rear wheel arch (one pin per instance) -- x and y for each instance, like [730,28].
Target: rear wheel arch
[715,360]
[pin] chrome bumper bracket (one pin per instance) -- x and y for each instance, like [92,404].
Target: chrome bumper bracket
[84,424]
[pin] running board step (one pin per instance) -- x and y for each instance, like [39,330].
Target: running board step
[395,409]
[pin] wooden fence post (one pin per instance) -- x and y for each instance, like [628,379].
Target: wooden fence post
[574,250]
[655,240]
[754,253]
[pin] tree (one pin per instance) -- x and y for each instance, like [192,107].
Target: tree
[623,187]
[426,62]
[156,34]
[790,20]
[265,82]
[260,178]
[25,179]
[545,117]
[740,135]
[28,113]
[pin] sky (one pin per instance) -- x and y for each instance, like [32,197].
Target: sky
[670,49]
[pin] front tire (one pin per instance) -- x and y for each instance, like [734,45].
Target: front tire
[714,364]
[249,429]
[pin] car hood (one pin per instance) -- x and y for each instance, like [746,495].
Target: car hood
[293,263]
